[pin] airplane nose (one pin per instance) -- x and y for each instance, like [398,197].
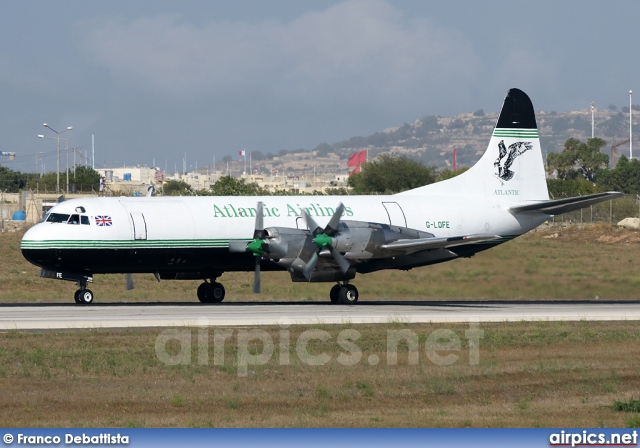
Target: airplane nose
[32,256]
[33,250]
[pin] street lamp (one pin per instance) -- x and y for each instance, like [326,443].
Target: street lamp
[58,134]
[58,138]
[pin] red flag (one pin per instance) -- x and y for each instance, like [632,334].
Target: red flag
[356,160]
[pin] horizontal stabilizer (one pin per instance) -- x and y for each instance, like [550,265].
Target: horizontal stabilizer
[415,245]
[560,206]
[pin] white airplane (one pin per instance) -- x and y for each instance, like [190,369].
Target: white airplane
[314,238]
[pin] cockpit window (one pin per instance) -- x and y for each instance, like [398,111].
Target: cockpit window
[69,219]
[57,217]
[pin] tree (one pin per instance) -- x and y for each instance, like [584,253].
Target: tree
[336,191]
[231,186]
[85,179]
[84,176]
[448,173]
[257,155]
[625,177]
[323,150]
[579,159]
[559,188]
[389,174]
[12,181]
[176,188]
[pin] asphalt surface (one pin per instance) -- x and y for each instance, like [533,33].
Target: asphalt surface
[115,315]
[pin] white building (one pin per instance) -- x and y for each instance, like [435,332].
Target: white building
[140,175]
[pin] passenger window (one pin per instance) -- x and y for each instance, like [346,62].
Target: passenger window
[84,220]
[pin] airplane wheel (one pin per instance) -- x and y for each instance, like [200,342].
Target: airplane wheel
[216,292]
[348,295]
[202,292]
[84,297]
[211,292]
[334,294]
[76,296]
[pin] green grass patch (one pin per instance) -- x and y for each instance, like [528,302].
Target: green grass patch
[631,405]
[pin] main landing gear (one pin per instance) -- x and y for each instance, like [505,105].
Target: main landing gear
[346,294]
[211,292]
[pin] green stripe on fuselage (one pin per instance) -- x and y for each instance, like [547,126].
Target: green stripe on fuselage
[122,244]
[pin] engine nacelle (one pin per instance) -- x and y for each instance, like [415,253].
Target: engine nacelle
[357,240]
[283,242]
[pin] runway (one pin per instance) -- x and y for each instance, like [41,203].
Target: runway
[113,315]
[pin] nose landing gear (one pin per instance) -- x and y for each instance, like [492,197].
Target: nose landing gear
[83,296]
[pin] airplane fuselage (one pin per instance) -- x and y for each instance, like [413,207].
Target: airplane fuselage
[192,234]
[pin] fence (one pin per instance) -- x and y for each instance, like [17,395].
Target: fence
[73,189]
[610,212]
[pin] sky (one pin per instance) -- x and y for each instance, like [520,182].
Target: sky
[155,80]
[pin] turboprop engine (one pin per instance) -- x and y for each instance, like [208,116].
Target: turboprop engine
[323,254]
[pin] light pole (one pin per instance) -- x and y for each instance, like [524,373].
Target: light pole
[74,161]
[593,122]
[58,134]
[630,127]
[58,138]
[67,151]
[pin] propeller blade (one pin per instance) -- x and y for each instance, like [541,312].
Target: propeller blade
[342,262]
[258,233]
[311,265]
[332,227]
[256,277]
[130,284]
[311,224]
[276,250]
[323,239]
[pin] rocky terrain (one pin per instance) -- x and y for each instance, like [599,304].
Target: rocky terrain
[431,140]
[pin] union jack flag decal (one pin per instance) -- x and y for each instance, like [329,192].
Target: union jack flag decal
[103,221]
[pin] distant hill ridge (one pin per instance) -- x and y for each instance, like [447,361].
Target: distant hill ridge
[431,139]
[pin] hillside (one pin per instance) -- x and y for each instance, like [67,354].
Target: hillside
[431,140]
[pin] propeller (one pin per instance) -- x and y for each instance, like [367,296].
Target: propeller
[258,247]
[323,239]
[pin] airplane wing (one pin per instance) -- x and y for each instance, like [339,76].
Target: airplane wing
[414,245]
[560,206]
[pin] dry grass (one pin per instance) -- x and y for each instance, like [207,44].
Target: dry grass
[529,374]
[595,262]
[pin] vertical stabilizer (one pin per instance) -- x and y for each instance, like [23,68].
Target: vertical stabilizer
[511,169]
